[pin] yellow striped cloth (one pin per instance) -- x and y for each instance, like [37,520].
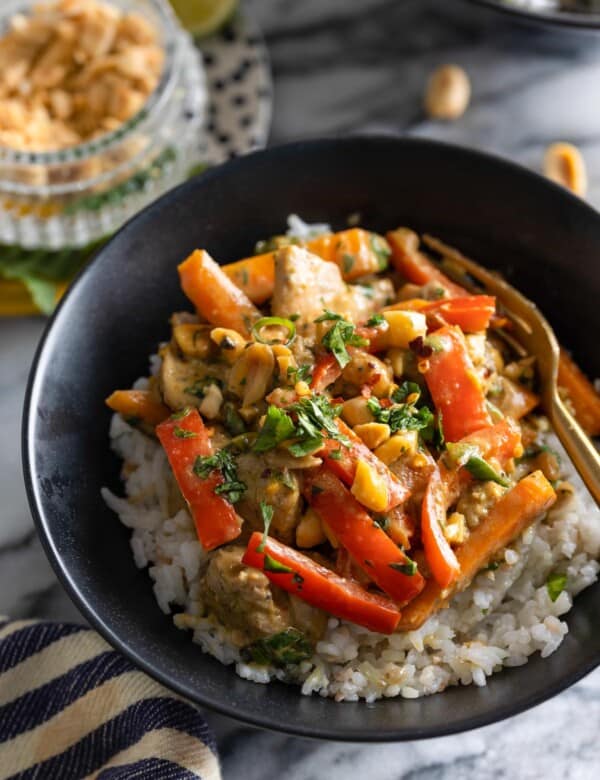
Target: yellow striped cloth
[72,707]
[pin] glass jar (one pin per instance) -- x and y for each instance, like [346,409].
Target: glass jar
[75,196]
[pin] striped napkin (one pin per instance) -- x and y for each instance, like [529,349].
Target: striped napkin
[72,707]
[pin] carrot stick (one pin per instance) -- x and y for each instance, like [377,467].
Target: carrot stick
[472,313]
[254,275]
[370,547]
[417,268]
[505,521]
[581,392]
[138,405]
[214,295]
[298,574]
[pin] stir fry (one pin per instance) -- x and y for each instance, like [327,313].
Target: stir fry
[349,431]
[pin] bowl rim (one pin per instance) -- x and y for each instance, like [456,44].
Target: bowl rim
[33,491]
[574,21]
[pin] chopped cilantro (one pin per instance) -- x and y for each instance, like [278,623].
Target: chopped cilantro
[555,584]
[406,389]
[404,417]
[348,261]
[407,567]
[181,433]
[287,647]
[199,387]
[335,455]
[381,249]
[375,320]
[341,335]
[276,428]
[231,488]
[275,567]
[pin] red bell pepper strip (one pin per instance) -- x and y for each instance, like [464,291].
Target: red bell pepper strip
[454,385]
[417,268]
[325,372]
[184,439]
[370,547]
[440,556]
[298,574]
[344,464]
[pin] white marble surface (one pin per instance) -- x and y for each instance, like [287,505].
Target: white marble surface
[343,67]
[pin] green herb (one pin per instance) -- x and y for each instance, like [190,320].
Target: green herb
[341,335]
[382,250]
[245,277]
[493,566]
[266,512]
[404,417]
[382,521]
[302,373]
[375,320]
[555,584]
[277,427]
[329,316]
[181,433]
[348,262]
[438,292]
[275,567]
[306,447]
[406,389]
[270,322]
[181,414]
[233,420]
[223,461]
[200,386]
[282,649]
[316,414]
[482,470]
[335,455]
[408,567]
[294,317]
[286,479]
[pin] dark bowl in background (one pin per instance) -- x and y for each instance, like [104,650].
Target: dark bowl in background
[583,20]
[544,239]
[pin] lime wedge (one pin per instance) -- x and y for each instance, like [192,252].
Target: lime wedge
[203,17]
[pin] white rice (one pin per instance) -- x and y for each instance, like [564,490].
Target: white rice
[500,620]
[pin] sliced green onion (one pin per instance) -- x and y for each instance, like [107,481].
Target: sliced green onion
[482,470]
[280,322]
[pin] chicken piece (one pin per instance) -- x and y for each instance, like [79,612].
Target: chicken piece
[305,285]
[279,489]
[370,297]
[185,383]
[241,598]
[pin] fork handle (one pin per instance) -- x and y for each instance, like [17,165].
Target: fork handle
[578,445]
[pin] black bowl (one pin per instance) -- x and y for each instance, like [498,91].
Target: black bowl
[544,239]
[574,19]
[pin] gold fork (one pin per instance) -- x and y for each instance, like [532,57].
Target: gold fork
[533,336]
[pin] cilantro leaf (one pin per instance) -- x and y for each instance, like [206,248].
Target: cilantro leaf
[375,320]
[266,511]
[555,584]
[231,488]
[289,646]
[341,335]
[276,428]
[404,417]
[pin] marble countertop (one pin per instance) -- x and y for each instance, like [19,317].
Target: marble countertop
[344,67]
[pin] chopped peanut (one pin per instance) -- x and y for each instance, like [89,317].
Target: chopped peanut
[356,412]
[373,434]
[455,529]
[369,487]
[448,92]
[401,443]
[230,342]
[71,70]
[564,164]
[309,532]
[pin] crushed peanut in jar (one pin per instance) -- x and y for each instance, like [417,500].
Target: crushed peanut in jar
[73,70]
